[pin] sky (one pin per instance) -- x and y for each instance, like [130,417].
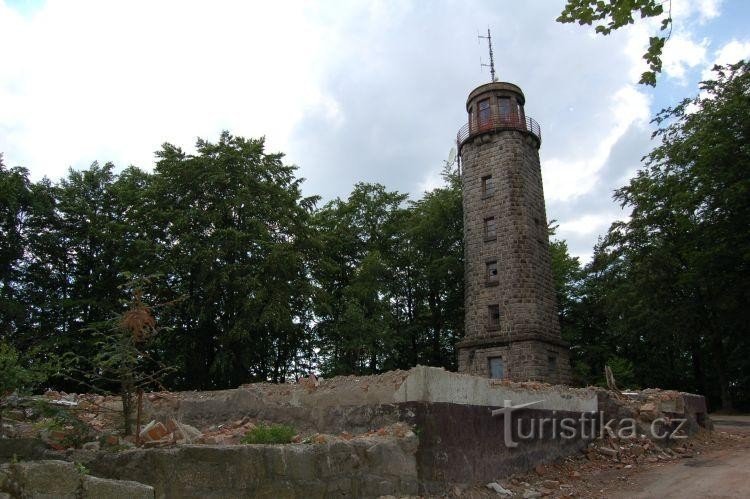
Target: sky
[351,91]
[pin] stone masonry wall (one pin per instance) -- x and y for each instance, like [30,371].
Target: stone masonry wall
[527,360]
[62,480]
[361,467]
[524,289]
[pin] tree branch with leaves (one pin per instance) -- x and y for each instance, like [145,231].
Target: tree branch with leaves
[615,14]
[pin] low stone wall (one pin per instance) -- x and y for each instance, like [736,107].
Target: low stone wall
[61,480]
[361,467]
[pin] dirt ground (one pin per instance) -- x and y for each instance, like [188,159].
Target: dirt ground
[712,465]
[716,473]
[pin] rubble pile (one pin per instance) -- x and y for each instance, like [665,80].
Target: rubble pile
[94,422]
[601,464]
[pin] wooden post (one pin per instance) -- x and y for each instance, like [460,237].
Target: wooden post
[138,418]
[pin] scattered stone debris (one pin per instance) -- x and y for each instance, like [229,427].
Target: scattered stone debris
[602,463]
[499,489]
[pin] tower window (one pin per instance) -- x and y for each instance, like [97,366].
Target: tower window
[493,317]
[484,112]
[488,186]
[492,277]
[497,369]
[490,229]
[503,104]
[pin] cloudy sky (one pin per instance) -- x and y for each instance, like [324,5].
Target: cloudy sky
[350,90]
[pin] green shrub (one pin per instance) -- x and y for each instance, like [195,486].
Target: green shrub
[273,434]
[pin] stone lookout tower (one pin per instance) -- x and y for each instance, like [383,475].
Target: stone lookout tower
[512,328]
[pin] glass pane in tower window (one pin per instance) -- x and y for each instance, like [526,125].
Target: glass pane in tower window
[493,316]
[488,186]
[490,228]
[484,112]
[552,363]
[504,105]
[492,271]
[497,369]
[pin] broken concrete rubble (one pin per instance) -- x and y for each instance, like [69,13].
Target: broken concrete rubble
[459,441]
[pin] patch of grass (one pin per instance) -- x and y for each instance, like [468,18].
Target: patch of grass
[273,434]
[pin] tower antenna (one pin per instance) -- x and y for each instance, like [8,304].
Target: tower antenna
[491,65]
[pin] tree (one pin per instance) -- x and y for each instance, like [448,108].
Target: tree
[389,279]
[436,299]
[16,200]
[231,229]
[683,257]
[614,14]
[122,362]
[353,272]
[13,376]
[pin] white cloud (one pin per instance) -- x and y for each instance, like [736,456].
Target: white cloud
[432,181]
[100,80]
[702,10]
[682,53]
[351,91]
[731,52]
[568,178]
[592,224]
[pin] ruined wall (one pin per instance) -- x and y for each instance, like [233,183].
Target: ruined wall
[450,435]
[62,480]
[357,404]
[361,467]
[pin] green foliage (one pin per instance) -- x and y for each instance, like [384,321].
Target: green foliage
[13,376]
[56,418]
[668,289]
[122,363]
[615,14]
[269,434]
[389,279]
[623,371]
[234,236]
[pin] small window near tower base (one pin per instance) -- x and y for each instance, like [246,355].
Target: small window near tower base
[552,363]
[490,229]
[488,186]
[493,317]
[497,369]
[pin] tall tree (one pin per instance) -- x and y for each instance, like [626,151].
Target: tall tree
[231,226]
[435,234]
[684,254]
[358,236]
[16,199]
